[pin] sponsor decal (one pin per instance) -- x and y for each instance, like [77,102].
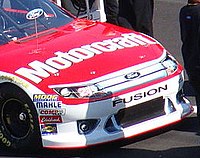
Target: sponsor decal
[139,96]
[52,112]
[38,70]
[132,75]
[50,119]
[31,121]
[49,129]
[44,97]
[14,79]
[43,101]
[4,139]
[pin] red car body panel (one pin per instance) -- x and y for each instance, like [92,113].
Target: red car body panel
[69,37]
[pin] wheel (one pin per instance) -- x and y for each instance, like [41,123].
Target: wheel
[19,127]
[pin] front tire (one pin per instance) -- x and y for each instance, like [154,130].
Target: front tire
[18,119]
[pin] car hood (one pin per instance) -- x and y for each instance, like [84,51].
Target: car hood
[78,52]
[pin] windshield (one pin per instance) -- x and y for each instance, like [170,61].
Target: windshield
[22,18]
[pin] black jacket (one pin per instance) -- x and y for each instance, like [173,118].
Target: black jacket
[190,36]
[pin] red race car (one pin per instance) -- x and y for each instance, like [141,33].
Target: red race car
[67,82]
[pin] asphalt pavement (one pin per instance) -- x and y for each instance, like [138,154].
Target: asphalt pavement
[177,141]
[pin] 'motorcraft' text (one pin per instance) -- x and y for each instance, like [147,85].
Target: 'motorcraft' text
[64,60]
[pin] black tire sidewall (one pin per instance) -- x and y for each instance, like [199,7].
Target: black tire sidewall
[32,138]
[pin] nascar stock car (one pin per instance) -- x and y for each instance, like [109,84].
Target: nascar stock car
[67,82]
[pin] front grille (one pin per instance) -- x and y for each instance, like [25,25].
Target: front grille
[127,80]
[141,112]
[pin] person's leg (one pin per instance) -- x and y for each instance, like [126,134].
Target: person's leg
[126,14]
[111,10]
[194,79]
[137,14]
[144,16]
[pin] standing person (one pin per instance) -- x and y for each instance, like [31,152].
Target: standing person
[111,11]
[137,15]
[189,18]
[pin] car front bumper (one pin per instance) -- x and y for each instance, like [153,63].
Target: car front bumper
[124,116]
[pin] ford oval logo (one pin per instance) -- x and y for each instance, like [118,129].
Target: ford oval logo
[132,75]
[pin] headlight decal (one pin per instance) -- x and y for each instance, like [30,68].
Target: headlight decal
[170,64]
[90,91]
